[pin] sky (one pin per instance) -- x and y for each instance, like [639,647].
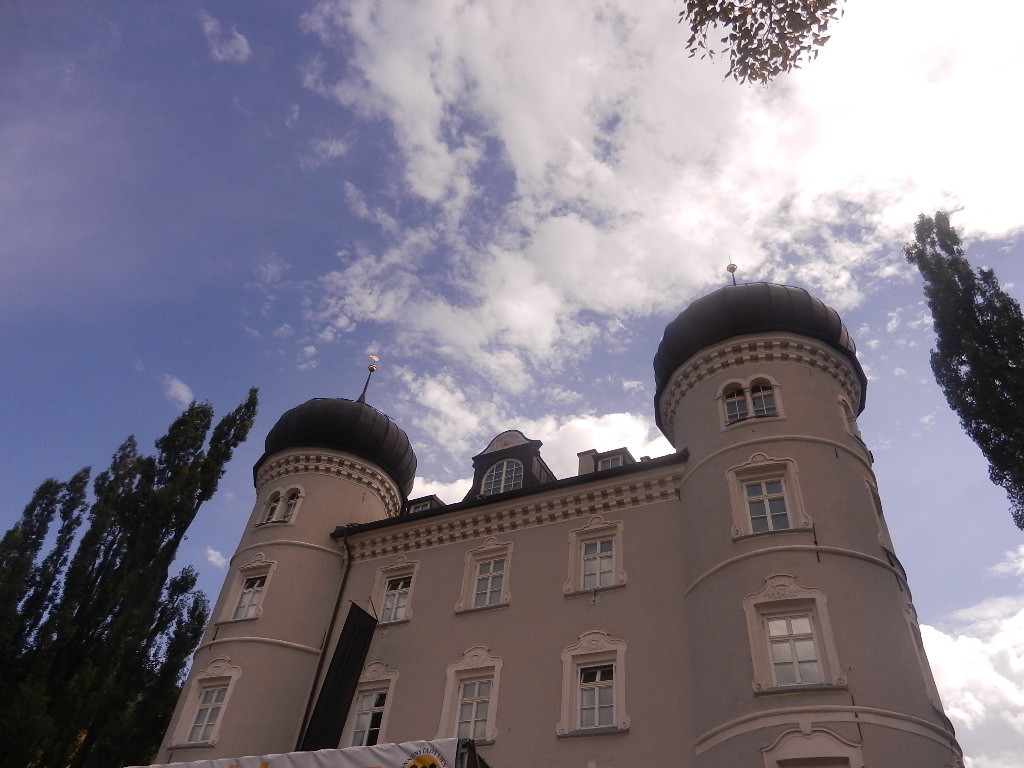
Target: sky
[506,203]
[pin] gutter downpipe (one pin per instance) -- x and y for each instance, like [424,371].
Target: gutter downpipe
[343,535]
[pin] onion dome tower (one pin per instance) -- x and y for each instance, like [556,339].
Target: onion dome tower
[327,462]
[803,640]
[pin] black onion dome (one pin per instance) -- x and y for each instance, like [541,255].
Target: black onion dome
[346,425]
[738,310]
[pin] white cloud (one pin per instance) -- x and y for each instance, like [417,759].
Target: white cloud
[215,558]
[283,331]
[177,391]
[307,360]
[1012,563]
[637,170]
[978,662]
[323,150]
[449,493]
[224,45]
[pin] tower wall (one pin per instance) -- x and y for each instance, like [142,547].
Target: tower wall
[873,691]
[265,649]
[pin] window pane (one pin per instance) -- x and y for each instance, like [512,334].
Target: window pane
[801,625]
[773,486]
[782,652]
[777,627]
[810,672]
[785,674]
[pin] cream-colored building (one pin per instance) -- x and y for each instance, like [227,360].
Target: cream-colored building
[736,603]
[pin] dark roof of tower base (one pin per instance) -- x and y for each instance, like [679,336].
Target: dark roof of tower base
[739,310]
[346,425]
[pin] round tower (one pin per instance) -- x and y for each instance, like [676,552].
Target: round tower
[328,462]
[804,643]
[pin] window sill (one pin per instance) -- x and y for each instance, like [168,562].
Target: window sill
[265,523]
[394,623]
[760,534]
[748,419]
[225,622]
[480,609]
[594,590]
[192,745]
[816,687]
[604,731]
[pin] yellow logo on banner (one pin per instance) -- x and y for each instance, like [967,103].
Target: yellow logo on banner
[422,761]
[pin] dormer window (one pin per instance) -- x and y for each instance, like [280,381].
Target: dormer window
[609,462]
[504,476]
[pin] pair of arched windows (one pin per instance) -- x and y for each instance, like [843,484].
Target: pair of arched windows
[280,507]
[741,402]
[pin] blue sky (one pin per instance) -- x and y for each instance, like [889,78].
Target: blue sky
[506,203]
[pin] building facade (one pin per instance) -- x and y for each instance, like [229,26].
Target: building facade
[735,603]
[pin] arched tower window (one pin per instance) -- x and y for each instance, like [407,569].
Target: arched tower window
[762,397]
[271,509]
[506,475]
[735,404]
[289,507]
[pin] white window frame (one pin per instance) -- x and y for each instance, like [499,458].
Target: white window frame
[596,530]
[282,506]
[795,747]
[376,677]
[490,551]
[400,569]
[614,461]
[218,674]
[783,596]
[741,392]
[762,468]
[505,484]
[593,649]
[476,664]
[250,598]
[258,567]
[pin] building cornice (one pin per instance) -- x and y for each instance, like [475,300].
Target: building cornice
[494,519]
[754,350]
[332,464]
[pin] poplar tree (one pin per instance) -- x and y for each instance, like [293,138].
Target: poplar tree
[978,360]
[95,631]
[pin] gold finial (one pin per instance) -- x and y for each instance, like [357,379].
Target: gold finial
[731,269]
[371,368]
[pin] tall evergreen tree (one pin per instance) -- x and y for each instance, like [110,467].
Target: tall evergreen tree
[978,360]
[96,633]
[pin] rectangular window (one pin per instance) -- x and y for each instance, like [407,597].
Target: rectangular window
[766,503]
[609,463]
[490,578]
[210,703]
[474,703]
[597,696]
[249,600]
[598,563]
[793,650]
[396,598]
[369,716]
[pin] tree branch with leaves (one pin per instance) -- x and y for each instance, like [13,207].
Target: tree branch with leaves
[762,38]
